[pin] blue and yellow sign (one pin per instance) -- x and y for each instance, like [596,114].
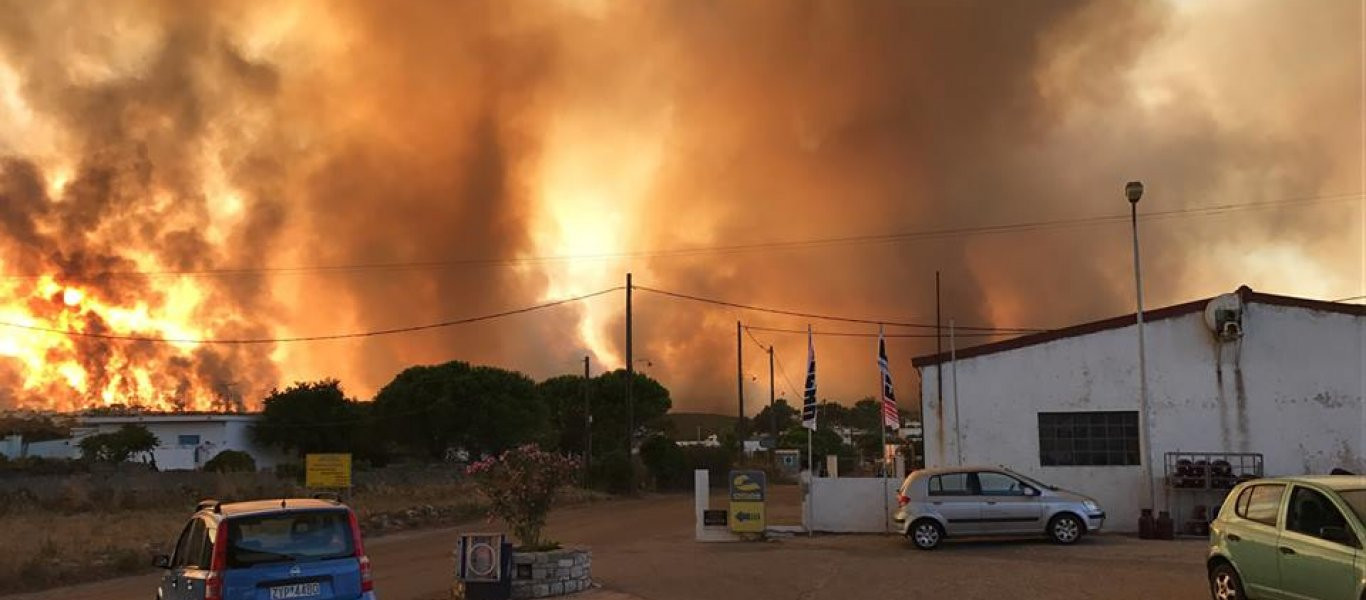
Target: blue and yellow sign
[747,492]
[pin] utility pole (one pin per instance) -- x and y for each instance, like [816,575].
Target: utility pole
[772,413]
[630,400]
[739,385]
[587,424]
[938,364]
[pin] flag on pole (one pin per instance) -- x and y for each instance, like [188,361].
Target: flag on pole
[890,417]
[809,398]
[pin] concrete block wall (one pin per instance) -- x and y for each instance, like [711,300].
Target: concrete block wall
[554,573]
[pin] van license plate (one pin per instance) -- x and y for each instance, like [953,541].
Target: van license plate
[298,590]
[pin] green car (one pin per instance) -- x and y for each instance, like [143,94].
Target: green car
[1291,537]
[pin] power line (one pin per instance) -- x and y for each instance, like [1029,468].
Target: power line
[315,338]
[793,313]
[873,335]
[904,236]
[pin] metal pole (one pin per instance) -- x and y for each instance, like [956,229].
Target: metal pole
[739,387]
[630,400]
[587,424]
[953,357]
[882,424]
[1145,446]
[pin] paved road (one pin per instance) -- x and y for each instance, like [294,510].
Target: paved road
[644,549]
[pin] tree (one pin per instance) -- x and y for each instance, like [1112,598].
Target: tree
[866,415]
[783,412]
[650,404]
[824,442]
[484,410]
[563,397]
[119,446]
[833,414]
[309,417]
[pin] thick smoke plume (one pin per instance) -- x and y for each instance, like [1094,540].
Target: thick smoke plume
[196,143]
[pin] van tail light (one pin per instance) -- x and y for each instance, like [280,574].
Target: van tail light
[902,500]
[367,581]
[213,583]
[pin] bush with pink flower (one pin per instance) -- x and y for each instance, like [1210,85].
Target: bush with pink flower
[520,485]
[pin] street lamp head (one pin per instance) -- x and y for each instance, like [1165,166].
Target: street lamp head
[1133,191]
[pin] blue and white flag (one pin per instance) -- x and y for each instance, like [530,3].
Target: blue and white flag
[890,417]
[809,398]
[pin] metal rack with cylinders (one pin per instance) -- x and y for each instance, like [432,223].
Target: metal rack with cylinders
[1197,483]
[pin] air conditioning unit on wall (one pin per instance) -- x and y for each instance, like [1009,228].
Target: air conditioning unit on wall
[1224,317]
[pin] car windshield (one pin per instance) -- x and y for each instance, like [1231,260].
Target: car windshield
[288,537]
[1029,479]
[1357,500]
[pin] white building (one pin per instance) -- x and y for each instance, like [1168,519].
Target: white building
[1246,372]
[187,440]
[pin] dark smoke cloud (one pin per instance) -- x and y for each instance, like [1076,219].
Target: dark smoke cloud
[363,133]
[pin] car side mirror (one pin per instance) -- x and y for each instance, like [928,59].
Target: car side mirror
[1336,534]
[161,561]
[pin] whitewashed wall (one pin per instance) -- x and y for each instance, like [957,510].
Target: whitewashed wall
[851,504]
[215,435]
[1291,390]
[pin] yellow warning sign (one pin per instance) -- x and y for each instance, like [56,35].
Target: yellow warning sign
[327,471]
[747,517]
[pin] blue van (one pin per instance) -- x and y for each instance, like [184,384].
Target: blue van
[290,549]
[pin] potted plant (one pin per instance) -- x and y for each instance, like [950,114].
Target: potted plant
[520,486]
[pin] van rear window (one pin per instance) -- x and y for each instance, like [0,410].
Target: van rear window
[289,537]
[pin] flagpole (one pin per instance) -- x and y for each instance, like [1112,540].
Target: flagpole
[882,421]
[809,401]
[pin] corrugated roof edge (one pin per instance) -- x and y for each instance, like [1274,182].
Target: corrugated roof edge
[1157,314]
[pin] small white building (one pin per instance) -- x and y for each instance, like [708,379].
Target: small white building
[188,440]
[1271,380]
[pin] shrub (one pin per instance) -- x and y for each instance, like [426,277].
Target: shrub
[666,462]
[718,461]
[611,473]
[231,461]
[520,485]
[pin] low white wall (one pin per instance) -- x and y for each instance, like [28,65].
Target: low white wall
[851,504]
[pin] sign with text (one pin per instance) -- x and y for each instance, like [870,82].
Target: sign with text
[713,518]
[327,471]
[747,492]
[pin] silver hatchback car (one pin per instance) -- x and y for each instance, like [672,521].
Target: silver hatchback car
[981,501]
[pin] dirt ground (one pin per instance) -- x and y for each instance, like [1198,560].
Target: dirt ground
[643,548]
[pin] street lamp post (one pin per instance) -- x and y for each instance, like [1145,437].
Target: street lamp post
[1134,191]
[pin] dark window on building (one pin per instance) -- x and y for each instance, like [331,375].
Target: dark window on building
[1088,438]
[188,440]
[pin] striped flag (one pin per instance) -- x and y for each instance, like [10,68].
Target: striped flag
[890,418]
[809,398]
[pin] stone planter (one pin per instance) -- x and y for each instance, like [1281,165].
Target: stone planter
[553,573]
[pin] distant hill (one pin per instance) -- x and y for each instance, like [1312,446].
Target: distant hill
[686,425]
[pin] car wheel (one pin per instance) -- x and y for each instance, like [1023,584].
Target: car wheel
[926,534]
[1224,583]
[1065,529]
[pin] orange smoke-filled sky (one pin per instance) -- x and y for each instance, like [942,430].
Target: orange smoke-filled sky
[237,170]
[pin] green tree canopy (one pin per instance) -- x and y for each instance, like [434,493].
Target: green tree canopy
[564,399]
[119,446]
[650,403]
[782,412]
[483,410]
[311,416]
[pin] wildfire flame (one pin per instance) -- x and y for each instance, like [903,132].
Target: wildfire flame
[71,371]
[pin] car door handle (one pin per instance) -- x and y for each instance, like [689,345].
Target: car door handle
[1285,550]
[937,502]
[991,502]
[1233,537]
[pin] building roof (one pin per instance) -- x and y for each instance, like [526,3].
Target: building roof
[169,418]
[1245,293]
